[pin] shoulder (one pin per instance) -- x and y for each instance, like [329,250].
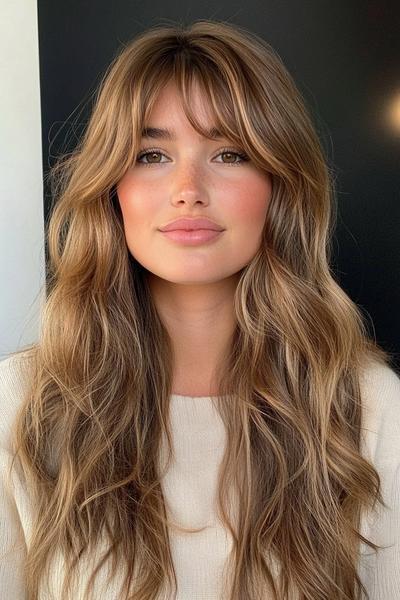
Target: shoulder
[378,376]
[14,380]
[380,393]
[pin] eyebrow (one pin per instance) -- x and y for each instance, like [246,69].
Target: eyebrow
[168,134]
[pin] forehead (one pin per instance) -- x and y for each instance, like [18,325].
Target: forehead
[169,134]
[167,114]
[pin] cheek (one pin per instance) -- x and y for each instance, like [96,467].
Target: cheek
[137,205]
[252,201]
[124,194]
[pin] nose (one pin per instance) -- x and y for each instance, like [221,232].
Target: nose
[188,186]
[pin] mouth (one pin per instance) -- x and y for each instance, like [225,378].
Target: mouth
[192,237]
[190,224]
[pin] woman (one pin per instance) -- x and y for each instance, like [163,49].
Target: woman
[204,412]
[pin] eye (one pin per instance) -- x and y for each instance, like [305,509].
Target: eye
[153,152]
[233,153]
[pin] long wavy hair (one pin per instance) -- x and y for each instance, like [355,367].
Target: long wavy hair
[89,433]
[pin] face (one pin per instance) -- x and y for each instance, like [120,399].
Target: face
[191,176]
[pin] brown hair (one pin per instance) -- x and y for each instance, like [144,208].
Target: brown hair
[90,430]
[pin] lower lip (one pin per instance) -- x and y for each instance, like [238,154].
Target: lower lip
[192,238]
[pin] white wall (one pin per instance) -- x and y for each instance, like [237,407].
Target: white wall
[22,270]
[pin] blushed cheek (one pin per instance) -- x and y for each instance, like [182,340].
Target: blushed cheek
[129,201]
[140,203]
[253,205]
[123,194]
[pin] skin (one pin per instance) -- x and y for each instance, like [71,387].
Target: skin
[193,286]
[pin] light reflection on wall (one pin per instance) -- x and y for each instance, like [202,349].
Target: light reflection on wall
[393,114]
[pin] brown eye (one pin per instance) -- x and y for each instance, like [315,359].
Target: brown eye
[151,154]
[232,156]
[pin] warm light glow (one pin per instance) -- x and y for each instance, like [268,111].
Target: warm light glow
[394,113]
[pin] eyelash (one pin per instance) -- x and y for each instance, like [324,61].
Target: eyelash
[141,154]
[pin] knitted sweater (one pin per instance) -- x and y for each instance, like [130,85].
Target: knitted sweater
[190,491]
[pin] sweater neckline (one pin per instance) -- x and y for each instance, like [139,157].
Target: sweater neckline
[184,397]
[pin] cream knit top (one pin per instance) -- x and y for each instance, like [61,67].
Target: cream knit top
[190,492]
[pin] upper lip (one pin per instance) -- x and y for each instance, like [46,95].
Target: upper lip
[189,223]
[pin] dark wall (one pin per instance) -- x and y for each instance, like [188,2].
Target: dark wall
[344,57]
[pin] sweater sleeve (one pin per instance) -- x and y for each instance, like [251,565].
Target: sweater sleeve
[14,516]
[12,540]
[381,571]
[388,567]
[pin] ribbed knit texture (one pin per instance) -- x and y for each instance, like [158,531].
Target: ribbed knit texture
[190,491]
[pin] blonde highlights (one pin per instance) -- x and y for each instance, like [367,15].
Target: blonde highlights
[89,433]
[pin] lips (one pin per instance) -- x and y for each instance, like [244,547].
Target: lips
[188,224]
